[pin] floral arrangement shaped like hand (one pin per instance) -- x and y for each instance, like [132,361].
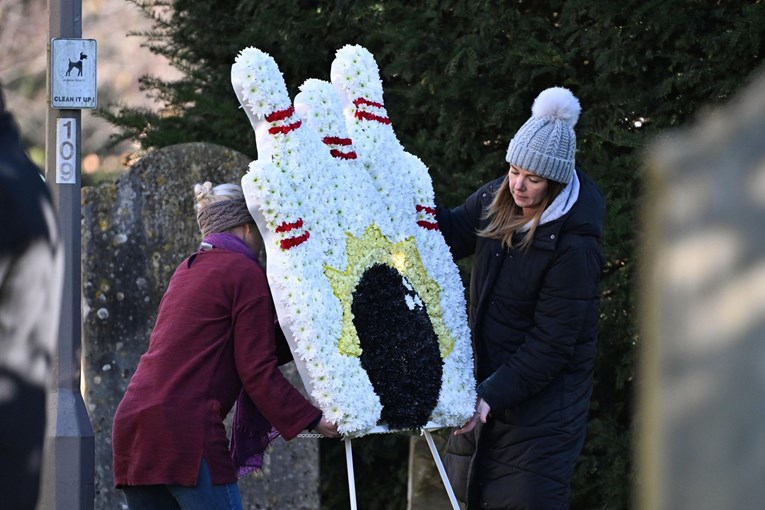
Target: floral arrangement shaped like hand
[364,284]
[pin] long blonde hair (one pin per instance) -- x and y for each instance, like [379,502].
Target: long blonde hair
[506,218]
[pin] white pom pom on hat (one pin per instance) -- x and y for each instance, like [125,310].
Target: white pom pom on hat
[545,145]
[557,103]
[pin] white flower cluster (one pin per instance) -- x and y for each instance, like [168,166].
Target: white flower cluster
[355,74]
[312,188]
[261,81]
[319,105]
[261,90]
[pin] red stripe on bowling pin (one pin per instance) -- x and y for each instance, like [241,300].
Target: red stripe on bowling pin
[287,241]
[427,217]
[363,114]
[282,115]
[342,142]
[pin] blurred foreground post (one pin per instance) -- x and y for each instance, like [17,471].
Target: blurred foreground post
[68,465]
[702,411]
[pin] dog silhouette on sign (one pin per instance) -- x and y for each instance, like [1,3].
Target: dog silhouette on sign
[76,65]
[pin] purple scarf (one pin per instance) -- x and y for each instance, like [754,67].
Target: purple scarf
[230,242]
[251,432]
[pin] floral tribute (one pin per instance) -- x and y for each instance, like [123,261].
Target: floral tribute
[364,285]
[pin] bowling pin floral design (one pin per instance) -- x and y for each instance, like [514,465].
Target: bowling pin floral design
[364,285]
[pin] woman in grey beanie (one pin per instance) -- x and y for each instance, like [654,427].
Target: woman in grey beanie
[534,306]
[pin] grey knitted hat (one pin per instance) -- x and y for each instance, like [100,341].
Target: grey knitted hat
[546,143]
[222,215]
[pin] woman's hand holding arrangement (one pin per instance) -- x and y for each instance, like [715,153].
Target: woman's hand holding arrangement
[327,428]
[482,410]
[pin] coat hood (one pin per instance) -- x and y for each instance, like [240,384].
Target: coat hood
[589,212]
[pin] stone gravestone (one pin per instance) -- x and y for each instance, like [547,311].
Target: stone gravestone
[702,415]
[135,232]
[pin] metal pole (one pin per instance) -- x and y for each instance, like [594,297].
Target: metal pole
[68,467]
[441,470]
[351,477]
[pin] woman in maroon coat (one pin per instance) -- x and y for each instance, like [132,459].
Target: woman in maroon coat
[213,343]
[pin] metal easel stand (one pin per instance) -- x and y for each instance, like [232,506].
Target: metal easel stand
[441,471]
[433,452]
[351,477]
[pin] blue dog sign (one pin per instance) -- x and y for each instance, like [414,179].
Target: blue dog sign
[73,73]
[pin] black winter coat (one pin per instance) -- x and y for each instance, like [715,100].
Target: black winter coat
[534,318]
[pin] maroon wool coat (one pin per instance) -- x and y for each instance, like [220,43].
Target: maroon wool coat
[214,335]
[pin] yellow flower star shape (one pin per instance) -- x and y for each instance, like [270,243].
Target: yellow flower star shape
[374,248]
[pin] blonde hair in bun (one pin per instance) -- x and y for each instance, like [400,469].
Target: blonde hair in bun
[207,193]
